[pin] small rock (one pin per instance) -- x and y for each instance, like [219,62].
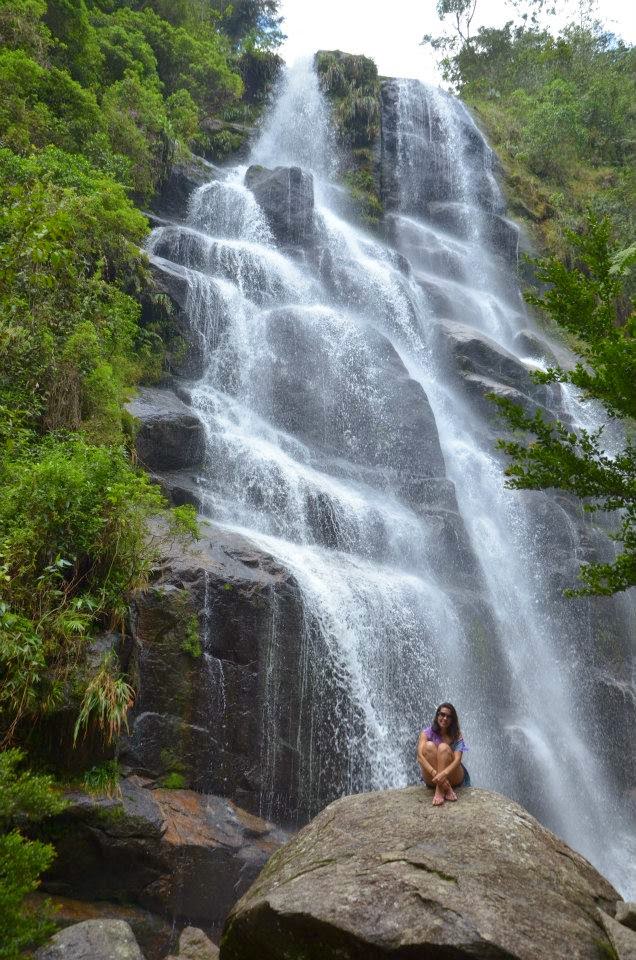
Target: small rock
[92,940]
[626,913]
[194,945]
[622,938]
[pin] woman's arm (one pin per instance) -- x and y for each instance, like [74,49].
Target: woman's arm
[450,769]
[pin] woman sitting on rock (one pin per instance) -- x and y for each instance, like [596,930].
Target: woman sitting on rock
[439,754]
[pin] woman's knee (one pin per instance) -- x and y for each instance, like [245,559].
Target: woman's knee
[444,751]
[430,750]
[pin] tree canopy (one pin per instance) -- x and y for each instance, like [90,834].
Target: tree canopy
[588,300]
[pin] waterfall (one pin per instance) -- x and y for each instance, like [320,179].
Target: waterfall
[348,437]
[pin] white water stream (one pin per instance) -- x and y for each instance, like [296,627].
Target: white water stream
[341,442]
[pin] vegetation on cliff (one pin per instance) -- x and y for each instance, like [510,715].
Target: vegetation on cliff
[24,798]
[558,109]
[352,86]
[98,99]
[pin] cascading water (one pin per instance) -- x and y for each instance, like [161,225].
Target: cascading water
[344,439]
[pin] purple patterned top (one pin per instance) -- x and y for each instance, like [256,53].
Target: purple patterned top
[436,738]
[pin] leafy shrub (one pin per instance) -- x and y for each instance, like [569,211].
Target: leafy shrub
[72,545]
[137,124]
[42,106]
[23,797]
[173,781]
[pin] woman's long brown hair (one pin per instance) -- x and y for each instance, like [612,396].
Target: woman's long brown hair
[454,731]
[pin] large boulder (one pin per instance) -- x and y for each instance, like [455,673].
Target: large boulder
[344,389]
[170,435]
[181,855]
[286,197]
[388,875]
[92,940]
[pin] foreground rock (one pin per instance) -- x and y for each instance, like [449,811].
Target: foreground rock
[179,854]
[194,945]
[389,875]
[154,934]
[622,938]
[92,940]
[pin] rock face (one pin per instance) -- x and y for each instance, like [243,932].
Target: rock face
[286,197]
[389,875]
[166,308]
[170,434]
[202,638]
[174,194]
[93,940]
[182,855]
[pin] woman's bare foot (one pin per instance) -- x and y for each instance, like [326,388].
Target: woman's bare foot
[450,794]
[438,798]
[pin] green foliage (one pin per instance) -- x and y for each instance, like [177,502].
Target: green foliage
[587,301]
[173,781]
[559,111]
[23,797]
[192,641]
[72,544]
[106,702]
[183,522]
[252,22]
[363,188]
[96,99]
[77,47]
[103,779]
[21,27]
[137,126]
[352,86]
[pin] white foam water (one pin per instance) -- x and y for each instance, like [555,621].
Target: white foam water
[340,443]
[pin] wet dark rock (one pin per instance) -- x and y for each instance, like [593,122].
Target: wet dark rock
[182,855]
[181,486]
[387,874]
[92,940]
[183,179]
[165,308]
[530,343]
[202,640]
[373,413]
[470,352]
[170,435]
[286,197]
